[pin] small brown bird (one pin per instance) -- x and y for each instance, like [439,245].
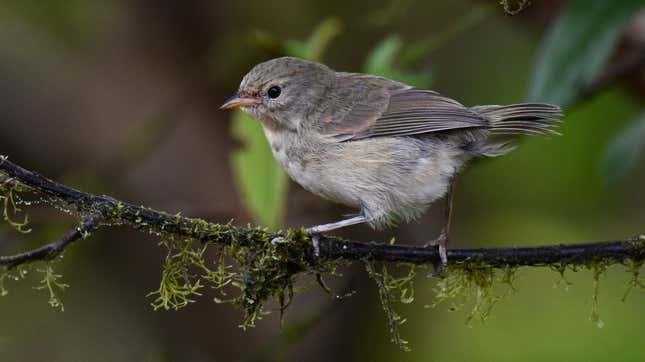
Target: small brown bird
[381,146]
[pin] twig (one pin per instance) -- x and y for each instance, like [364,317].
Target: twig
[51,250]
[113,211]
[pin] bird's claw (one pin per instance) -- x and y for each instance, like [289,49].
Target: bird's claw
[440,242]
[315,239]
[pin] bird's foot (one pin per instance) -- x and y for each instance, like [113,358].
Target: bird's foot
[440,242]
[315,234]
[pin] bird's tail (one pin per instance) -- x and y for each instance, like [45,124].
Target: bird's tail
[516,119]
[523,118]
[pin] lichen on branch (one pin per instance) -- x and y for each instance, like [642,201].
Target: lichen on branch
[8,190]
[247,272]
[251,266]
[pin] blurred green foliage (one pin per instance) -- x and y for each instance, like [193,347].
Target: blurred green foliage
[72,22]
[383,61]
[262,182]
[625,150]
[577,48]
[574,53]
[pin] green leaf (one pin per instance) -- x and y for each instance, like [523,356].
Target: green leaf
[262,182]
[381,61]
[314,48]
[625,150]
[418,51]
[577,48]
[382,57]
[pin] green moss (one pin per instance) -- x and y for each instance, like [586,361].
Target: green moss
[598,269]
[634,268]
[51,283]
[393,290]
[4,275]
[248,271]
[473,283]
[562,281]
[178,285]
[17,274]
[249,267]
[8,200]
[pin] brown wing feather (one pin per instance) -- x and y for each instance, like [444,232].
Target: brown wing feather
[354,104]
[380,107]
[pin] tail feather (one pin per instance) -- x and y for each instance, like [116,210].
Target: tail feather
[533,119]
[524,118]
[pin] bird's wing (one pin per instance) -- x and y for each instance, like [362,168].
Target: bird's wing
[373,107]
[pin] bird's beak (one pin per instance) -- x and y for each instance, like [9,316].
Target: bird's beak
[240,100]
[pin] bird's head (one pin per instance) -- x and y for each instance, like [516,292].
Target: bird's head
[281,92]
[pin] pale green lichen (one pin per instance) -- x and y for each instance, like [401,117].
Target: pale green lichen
[473,283]
[259,268]
[562,281]
[393,289]
[634,268]
[51,282]
[249,267]
[597,269]
[4,275]
[178,284]
[8,191]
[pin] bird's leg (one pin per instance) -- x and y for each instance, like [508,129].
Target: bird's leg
[315,231]
[444,236]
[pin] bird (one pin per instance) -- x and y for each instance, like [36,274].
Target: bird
[383,147]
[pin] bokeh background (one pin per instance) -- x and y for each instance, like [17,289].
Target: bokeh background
[121,98]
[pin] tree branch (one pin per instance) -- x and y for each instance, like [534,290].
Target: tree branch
[111,211]
[51,250]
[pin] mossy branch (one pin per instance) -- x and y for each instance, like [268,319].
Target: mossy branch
[265,265]
[49,251]
[110,211]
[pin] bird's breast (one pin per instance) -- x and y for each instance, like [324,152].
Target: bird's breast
[384,175]
[288,151]
[310,163]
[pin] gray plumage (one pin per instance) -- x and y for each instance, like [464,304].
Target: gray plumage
[381,146]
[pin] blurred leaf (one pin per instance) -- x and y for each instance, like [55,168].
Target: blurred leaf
[624,150]
[393,58]
[262,181]
[381,58]
[310,49]
[420,50]
[578,47]
[314,48]
[266,42]
[389,15]
[71,21]
[381,61]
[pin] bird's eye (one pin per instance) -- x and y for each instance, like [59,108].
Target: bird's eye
[274,92]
